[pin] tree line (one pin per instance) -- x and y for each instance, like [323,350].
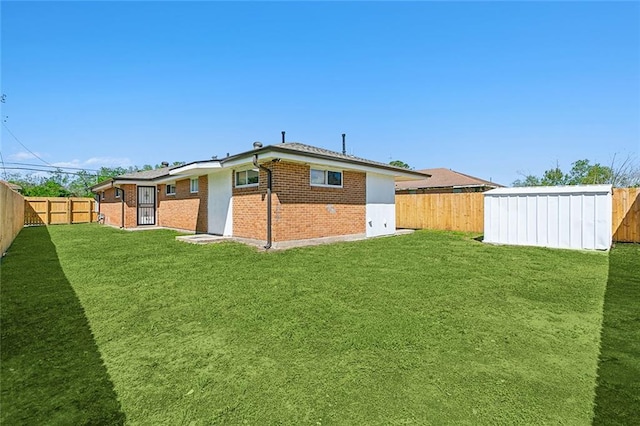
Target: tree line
[621,174]
[61,183]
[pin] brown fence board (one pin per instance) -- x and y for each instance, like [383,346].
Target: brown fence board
[11,214]
[626,215]
[454,212]
[56,211]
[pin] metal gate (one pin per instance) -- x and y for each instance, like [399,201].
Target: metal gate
[146,205]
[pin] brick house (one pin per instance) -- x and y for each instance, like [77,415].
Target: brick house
[315,193]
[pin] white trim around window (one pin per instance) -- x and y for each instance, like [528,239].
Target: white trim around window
[325,177]
[170,189]
[194,185]
[117,193]
[247,178]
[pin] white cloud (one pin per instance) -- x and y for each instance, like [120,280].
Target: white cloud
[96,162]
[72,163]
[109,161]
[23,156]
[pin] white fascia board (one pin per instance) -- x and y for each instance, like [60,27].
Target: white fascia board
[118,184]
[324,163]
[196,169]
[543,190]
[102,187]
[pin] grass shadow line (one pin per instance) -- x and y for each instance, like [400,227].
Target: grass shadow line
[617,397]
[51,371]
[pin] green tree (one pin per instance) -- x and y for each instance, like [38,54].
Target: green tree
[401,164]
[582,172]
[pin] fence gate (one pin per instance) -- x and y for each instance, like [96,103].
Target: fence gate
[146,205]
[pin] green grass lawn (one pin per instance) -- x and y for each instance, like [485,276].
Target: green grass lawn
[429,328]
[618,391]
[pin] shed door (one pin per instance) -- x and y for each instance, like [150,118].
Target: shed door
[146,205]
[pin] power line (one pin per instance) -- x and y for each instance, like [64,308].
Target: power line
[24,146]
[5,168]
[56,167]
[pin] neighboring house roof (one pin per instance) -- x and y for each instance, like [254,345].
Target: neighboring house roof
[292,151]
[446,178]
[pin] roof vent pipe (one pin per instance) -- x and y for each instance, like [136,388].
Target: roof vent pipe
[164,164]
[283,136]
[344,145]
[257,145]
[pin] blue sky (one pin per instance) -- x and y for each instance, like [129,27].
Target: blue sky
[490,89]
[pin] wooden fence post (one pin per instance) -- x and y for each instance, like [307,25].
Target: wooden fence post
[47,212]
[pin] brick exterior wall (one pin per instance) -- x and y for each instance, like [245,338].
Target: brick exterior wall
[111,207]
[300,211]
[184,210]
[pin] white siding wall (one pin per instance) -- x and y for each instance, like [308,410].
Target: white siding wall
[381,205]
[220,203]
[577,217]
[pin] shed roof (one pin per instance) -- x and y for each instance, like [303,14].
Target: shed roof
[546,190]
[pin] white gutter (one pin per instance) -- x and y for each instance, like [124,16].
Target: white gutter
[196,168]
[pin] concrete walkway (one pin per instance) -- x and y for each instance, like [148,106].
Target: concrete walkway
[212,239]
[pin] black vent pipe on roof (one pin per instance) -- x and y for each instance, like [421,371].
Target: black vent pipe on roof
[266,169]
[283,136]
[344,145]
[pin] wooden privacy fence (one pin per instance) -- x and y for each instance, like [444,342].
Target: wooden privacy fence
[453,212]
[626,215]
[11,214]
[56,211]
[465,212]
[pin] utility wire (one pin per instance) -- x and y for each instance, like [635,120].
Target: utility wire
[5,168]
[56,167]
[24,146]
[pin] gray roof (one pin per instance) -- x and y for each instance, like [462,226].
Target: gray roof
[314,151]
[141,175]
[146,174]
[308,149]
[289,147]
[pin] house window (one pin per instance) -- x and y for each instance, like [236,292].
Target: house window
[326,178]
[171,189]
[194,185]
[102,195]
[117,192]
[247,178]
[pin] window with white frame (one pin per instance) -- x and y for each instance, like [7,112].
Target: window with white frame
[171,189]
[102,195]
[194,185]
[247,178]
[117,192]
[321,177]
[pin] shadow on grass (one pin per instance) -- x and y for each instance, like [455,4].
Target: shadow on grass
[51,371]
[617,400]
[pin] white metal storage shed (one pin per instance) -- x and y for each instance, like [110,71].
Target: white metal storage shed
[576,217]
